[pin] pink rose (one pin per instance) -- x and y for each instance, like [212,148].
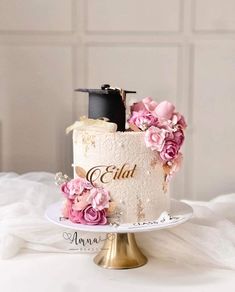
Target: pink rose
[164,110]
[179,137]
[99,198]
[170,150]
[147,104]
[91,216]
[81,202]
[182,122]
[74,216]
[179,120]
[76,187]
[143,120]
[64,188]
[138,106]
[155,138]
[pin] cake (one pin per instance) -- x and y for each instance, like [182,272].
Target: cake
[123,176]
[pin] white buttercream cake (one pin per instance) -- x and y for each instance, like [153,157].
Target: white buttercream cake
[121,163]
[123,176]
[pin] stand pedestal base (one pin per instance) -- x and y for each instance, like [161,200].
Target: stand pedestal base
[120,251]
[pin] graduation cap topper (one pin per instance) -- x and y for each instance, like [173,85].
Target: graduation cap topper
[108,102]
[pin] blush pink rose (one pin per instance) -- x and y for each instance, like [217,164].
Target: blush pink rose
[147,104]
[91,216]
[164,110]
[77,186]
[169,151]
[99,198]
[143,120]
[155,138]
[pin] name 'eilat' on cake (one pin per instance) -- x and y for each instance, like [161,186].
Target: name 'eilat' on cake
[122,174]
[105,173]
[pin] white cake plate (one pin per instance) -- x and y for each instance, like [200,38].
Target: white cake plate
[120,250]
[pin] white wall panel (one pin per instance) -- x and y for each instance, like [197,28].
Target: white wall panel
[133,15]
[35,15]
[35,107]
[213,159]
[150,70]
[214,15]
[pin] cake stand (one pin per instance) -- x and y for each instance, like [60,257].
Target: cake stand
[120,250]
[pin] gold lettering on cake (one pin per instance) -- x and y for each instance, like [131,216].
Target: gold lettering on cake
[105,174]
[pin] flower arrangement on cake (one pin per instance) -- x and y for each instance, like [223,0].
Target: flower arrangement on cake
[122,176]
[164,131]
[85,203]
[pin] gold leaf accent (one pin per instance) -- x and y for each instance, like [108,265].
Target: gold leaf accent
[111,209]
[80,171]
[140,210]
[167,169]
[88,141]
[165,186]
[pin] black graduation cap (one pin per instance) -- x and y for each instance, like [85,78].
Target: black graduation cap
[108,102]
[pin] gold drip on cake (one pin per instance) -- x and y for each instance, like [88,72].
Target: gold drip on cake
[120,251]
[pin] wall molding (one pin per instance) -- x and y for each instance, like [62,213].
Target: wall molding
[136,32]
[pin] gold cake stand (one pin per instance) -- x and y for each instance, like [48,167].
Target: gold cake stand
[120,250]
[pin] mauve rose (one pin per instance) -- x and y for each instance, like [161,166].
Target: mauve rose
[99,198]
[182,122]
[179,121]
[74,216]
[91,216]
[155,138]
[169,151]
[143,120]
[137,106]
[164,110]
[64,188]
[179,137]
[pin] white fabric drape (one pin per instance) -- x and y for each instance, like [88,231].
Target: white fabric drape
[207,239]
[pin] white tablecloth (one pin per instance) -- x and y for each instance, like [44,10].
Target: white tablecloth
[196,256]
[76,273]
